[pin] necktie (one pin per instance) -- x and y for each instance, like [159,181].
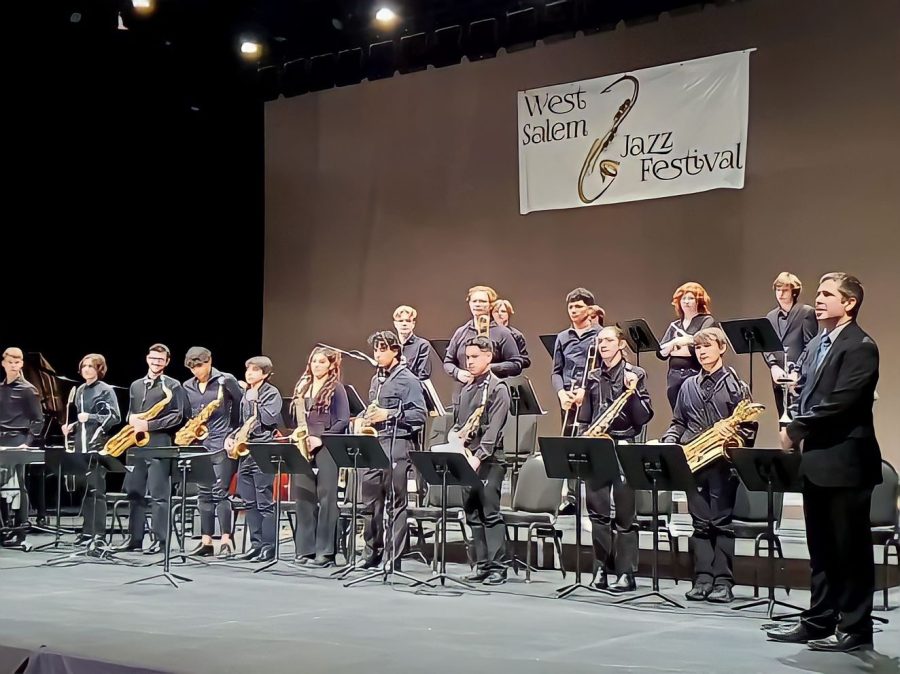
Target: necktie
[824,345]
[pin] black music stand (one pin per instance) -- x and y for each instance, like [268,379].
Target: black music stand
[579,459]
[522,401]
[62,462]
[445,469]
[14,457]
[549,342]
[170,455]
[355,452]
[273,458]
[768,470]
[433,404]
[752,335]
[440,347]
[194,468]
[357,406]
[639,337]
[654,467]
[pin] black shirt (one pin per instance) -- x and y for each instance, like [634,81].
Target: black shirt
[522,346]
[696,324]
[703,400]
[507,361]
[98,401]
[417,352]
[570,357]
[227,417]
[604,386]
[20,407]
[267,408]
[487,440]
[399,392]
[333,419]
[795,328]
[145,393]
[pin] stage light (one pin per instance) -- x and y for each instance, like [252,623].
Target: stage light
[250,49]
[143,6]
[385,15]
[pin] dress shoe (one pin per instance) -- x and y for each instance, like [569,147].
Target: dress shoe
[478,575]
[602,582]
[798,633]
[495,577]
[303,560]
[840,642]
[699,592]
[567,508]
[203,551]
[250,555]
[155,548]
[321,562]
[226,550]
[624,583]
[371,562]
[721,594]
[128,545]
[267,554]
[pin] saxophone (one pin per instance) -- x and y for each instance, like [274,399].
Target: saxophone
[456,440]
[300,435]
[241,438]
[600,428]
[360,425]
[483,326]
[715,441]
[128,437]
[196,429]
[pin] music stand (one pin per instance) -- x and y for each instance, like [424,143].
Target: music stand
[433,404]
[355,452]
[272,459]
[549,342]
[61,462]
[445,469]
[639,337]
[169,455]
[768,470]
[195,468]
[752,335]
[440,347]
[14,457]
[357,406]
[522,401]
[654,467]
[579,459]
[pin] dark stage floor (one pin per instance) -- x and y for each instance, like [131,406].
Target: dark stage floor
[229,620]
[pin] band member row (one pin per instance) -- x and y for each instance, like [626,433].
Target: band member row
[501,310]
[21,421]
[97,413]
[143,394]
[219,392]
[692,306]
[486,400]
[507,362]
[605,385]
[260,418]
[397,413]
[704,399]
[416,350]
[324,401]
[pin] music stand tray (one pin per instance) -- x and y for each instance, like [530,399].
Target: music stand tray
[61,462]
[440,347]
[752,335]
[355,452]
[768,470]
[639,337]
[445,469]
[357,406]
[278,458]
[655,467]
[549,342]
[523,401]
[579,459]
[195,467]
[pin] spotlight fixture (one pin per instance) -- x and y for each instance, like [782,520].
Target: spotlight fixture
[250,49]
[142,5]
[385,15]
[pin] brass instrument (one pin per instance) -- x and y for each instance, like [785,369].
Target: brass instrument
[241,438]
[361,426]
[128,437]
[715,441]
[787,382]
[609,168]
[600,428]
[196,429]
[589,365]
[300,435]
[483,325]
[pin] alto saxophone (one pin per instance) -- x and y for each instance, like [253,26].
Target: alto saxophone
[600,428]
[715,441]
[300,435]
[361,426]
[128,437]
[196,429]
[242,437]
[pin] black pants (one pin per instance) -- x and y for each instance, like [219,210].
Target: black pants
[711,507]
[146,473]
[674,379]
[623,557]
[94,509]
[19,516]
[482,508]
[841,561]
[375,486]
[212,499]
[779,398]
[256,489]
[316,499]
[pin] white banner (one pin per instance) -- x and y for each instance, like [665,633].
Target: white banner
[658,132]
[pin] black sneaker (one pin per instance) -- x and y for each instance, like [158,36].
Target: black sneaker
[699,592]
[496,577]
[721,594]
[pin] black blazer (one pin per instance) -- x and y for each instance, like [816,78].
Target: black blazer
[798,330]
[835,422]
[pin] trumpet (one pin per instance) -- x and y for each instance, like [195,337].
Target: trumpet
[786,383]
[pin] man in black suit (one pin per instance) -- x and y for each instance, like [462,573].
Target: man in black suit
[795,324]
[841,463]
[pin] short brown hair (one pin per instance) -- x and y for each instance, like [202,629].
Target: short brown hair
[496,304]
[481,342]
[848,286]
[619,332]
[786,278]
[491,293]
[405,309]
[264,363]
[98,361]
[161,348]
[197,355]
[707,336]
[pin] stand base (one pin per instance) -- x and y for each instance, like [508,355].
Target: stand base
[442,578]
[385,574]
[276,561]
[171,577]
[770,603]
[653,593]
[102,556]
[566,590]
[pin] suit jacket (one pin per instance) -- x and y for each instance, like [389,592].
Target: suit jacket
[795,333]
[834,420]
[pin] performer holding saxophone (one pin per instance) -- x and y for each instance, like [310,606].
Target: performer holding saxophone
[616,405]
[214,399]
[260,417]
[478,419]
[155,409]
[98,412]
[507,362]
[704,399]
[320,405]
[396,413]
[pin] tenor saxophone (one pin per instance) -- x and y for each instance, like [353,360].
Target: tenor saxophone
[600,428]
[715,441]
[128,437]
[196,429]
[300,435]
